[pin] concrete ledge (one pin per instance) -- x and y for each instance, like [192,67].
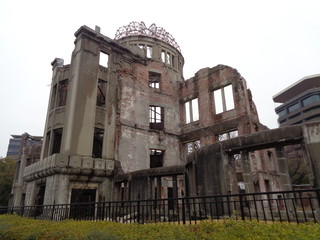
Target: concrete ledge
[70,165]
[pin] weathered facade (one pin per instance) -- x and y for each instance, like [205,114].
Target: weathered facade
[122,120]
[28,149]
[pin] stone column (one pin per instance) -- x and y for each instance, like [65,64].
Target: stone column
[283,169]
[175,186]
[152,188]
[247,172]
[159,187]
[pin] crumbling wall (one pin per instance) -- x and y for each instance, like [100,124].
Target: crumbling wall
[136,136]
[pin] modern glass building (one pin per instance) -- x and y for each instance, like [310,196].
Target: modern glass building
[300,102]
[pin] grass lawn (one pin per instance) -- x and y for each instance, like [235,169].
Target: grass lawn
[15,227]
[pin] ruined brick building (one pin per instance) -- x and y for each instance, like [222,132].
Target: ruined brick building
[26,149]
[122,121]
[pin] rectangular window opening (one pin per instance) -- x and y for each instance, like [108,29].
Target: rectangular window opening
[63,93]
[53,97]
[218,101]
[163,56]
[104,59]
[156,117]
[101,93]
[154,80]
[227,135]
[47,144]
[193,146]
[195,109]
[149,51]
[223,99]
[156,158]
[168,60]
[57,137]
[192,110]
[228,95]
[97,143]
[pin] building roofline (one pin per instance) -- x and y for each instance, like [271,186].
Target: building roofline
[308,82]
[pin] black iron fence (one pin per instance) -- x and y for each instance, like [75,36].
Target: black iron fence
[291,206]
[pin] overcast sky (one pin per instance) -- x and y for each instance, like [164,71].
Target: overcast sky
[271,43]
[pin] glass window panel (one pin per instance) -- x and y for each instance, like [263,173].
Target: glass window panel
[293,107]
[310,100]
[282,113]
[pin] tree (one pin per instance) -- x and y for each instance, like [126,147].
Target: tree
[7,169]
[298,169]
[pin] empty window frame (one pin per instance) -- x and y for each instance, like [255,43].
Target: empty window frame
[104,59]
[156,158]
[149,51]
[163,56]
[156,117]
[154,80]
[192,110]
[180,63]
[223,99]
[167,57]
[193,146]
[62,93]
[53,97]
[47,144]
[56,140]
[227,135]
[59,94]
[101,93]
[97,143]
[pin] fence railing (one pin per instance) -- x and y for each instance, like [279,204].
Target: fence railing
[291,206]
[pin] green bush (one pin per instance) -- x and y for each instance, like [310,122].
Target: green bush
[15,227]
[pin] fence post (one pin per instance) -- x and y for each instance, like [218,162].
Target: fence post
[241,206]
[53,211]
[103,210]
[138,216]
[183,212]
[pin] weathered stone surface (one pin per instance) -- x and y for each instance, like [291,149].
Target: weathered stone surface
[112,121]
